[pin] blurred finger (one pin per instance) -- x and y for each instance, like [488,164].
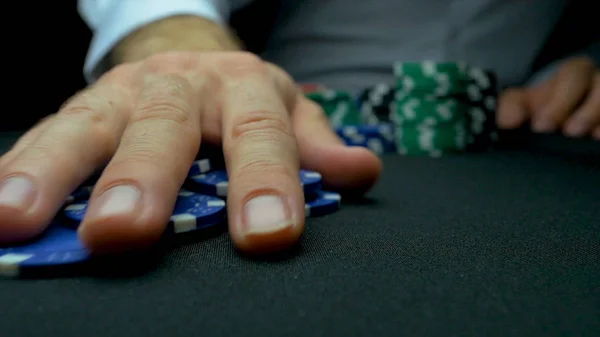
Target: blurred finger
[587,117]
[134,198]
[596,133]
[537,96]
[512,109]
[265,200]
[570,87]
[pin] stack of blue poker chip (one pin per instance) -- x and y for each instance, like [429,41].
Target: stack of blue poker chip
[310,181]
[317,201]
[217,182]
[322,203]
[199,166]
[214,183]
[379,138]
[195,210]
[192,212]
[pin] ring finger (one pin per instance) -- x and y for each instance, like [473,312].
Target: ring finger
[60,153]
[133,199]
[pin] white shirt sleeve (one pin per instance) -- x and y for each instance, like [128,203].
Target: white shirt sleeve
[111,20]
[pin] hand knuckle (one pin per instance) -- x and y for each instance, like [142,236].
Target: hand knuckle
[89,110]
[38,152]
[171,115]
[171,85]
[145,155]
[165,97]
[173,61]
[262,125]
[157,62]
[256,167]
[161,108]
[119,73]
[45,154]
[243,63]
[89,106]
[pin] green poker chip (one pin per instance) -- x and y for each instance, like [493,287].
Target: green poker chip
[442,108]
[432,141]
[416,111]
[434,108]
[339,107]
[439,79]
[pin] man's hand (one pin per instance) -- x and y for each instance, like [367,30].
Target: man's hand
[569,101]
[146,119]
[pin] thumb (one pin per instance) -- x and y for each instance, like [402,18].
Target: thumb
[347,169]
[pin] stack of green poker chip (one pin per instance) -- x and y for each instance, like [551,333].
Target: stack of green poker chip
[426,126]
[340,107]
[434,110]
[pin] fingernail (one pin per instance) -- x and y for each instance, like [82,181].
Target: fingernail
[266,214]
[118,200]
[543,124]
[575,129]
[16,192]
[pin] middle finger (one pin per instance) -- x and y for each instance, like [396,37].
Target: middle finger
[265,199]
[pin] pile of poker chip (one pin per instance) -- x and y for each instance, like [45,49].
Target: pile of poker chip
[432,109]
[201,205]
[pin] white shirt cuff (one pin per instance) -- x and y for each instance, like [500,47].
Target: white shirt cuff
[125,16]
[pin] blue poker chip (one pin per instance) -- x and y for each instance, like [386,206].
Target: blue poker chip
[75,212]
[217,182]
[310,180]
[321,203]
[199,166]
[381,129]
[81,193]
[57,246]
[379,138]
[214,183]
[192,211]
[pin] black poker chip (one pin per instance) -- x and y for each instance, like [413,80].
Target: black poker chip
[376,104]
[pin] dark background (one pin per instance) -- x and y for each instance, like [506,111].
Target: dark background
[47,42]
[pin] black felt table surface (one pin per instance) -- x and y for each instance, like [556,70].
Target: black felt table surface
[505,243]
